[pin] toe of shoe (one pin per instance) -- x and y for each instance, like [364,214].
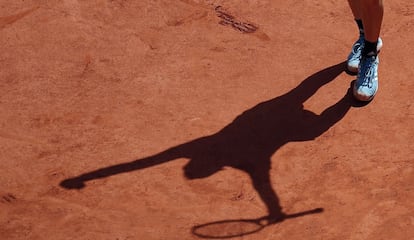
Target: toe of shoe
[364,95]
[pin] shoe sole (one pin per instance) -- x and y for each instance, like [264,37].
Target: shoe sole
[352,70]
[363,98]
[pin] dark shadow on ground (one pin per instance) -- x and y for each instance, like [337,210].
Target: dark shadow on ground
[231,228]
[249,141]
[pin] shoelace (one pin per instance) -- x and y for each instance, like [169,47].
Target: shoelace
[369,64]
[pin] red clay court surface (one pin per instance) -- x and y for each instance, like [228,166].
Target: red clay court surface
[189,119]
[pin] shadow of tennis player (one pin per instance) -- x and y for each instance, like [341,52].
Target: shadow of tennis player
[248,142]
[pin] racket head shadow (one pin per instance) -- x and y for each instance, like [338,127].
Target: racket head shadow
[228,228]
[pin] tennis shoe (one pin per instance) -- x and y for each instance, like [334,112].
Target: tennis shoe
[366,85]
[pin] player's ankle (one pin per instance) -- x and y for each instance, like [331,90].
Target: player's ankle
[370,48]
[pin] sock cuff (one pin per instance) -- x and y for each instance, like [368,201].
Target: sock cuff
[360,26]
[370,48]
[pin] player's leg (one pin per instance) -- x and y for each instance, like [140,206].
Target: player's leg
[371,12]
[366,84]
[354,56]
[355,8]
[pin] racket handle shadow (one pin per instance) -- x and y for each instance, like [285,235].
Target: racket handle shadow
[300,214]
[280,217]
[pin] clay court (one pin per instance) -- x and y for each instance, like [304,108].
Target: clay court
[192,119]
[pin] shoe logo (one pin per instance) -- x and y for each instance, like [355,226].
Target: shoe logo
[357,48]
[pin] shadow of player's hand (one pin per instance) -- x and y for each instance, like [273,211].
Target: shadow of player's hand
[272,219]
[72,183]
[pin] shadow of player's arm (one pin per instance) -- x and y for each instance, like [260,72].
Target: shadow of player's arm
[260,176]
[162,157]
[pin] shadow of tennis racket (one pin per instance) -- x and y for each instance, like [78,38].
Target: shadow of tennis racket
[241,227]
